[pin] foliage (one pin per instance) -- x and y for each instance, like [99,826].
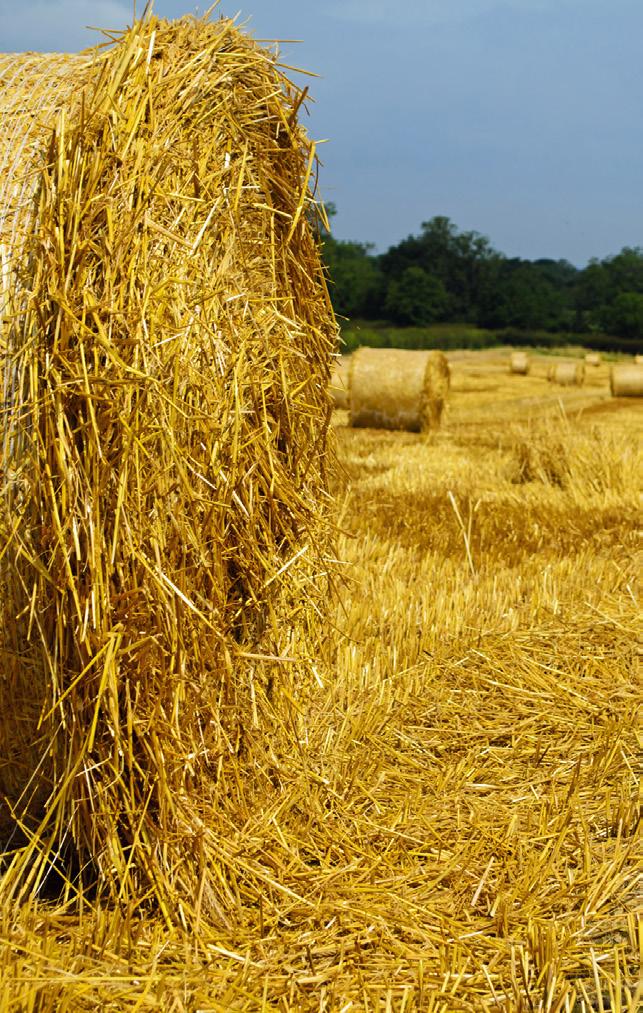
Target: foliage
[416,297]
[445,275]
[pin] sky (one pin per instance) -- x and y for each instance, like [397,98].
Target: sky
[520,119]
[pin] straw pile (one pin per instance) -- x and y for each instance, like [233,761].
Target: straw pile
[392,388]
[519,363]
[567,374]
[626,380]
[339,380]
[166,343]
[593,359]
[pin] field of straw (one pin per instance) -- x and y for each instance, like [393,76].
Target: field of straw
[457,828]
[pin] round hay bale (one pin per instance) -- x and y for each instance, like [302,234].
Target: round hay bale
[626,380]
[638,359]
[167,338]
[567,374]
[339,381]
[519,363]
[593,359]
[393,388]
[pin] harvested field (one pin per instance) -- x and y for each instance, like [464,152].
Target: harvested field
[457,828]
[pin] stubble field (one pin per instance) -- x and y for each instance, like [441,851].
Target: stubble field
[460,829]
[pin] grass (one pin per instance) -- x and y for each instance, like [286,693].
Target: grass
[459,828]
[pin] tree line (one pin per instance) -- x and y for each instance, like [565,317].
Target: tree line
[444,275]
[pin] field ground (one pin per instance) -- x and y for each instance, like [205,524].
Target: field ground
[460,831]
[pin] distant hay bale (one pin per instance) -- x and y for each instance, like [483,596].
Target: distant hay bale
[519,363]
[166,340]
[339,380]
[593,359]
[567,374]
[626,380]
[638,359]
[392,388]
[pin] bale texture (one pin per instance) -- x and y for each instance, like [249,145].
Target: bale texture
[567,374]
[519,363]
[593,359]
[626,380]
[392,388]
[166,342]
[339,381]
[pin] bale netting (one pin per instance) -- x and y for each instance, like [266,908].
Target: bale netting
[167,341]
[339,381]
[626,380]
[392,388]
[519,363]
[567,374]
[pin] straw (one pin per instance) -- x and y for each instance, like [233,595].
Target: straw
[167,342]
[397,389]
[626,380]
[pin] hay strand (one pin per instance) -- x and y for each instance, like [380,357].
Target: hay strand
[339,381]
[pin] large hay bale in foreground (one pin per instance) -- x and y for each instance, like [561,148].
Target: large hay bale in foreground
[166,342]
[626,380]
[567,374]
[519,363]
[339,381]
[392,388]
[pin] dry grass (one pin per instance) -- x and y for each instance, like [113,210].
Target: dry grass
[457,829]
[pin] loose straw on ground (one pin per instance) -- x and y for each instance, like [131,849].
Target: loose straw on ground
[398,389]
[167,339]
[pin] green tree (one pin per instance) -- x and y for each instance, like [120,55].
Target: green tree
[624,316]
[355,278]
[458,260]
[416,297]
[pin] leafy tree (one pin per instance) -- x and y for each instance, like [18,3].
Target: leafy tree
[601,288]
[624,316]
[416,297]
[457,259]
[356,283]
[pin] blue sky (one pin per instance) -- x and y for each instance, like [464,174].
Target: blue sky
[518,118]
